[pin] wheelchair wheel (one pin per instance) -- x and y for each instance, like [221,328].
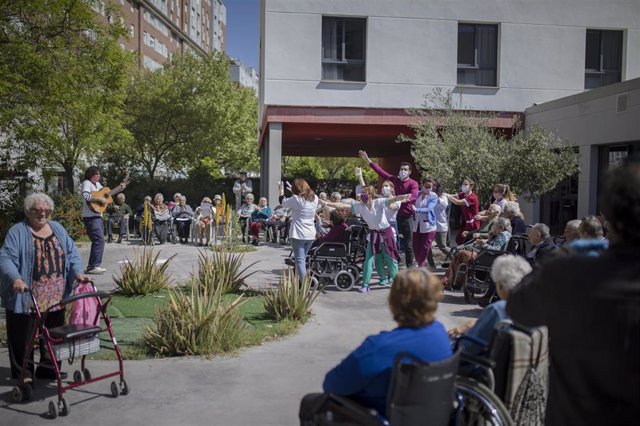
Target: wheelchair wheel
[172,238]
[314,283]
[354,271]
[344,281]
[477,405]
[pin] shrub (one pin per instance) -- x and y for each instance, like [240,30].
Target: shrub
[143,275]
[291,300]
[197,322]
[68,211]
[221,269]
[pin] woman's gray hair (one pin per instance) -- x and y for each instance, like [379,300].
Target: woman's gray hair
[512,209]
[508,270]
[32,199]
[504,223]
[495,208]
[543,230]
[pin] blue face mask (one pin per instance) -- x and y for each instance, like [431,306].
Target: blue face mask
[364,197]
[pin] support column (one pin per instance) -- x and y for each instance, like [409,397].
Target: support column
[271,163]
[588,181]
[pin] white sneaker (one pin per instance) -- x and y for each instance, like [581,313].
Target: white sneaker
[96,271]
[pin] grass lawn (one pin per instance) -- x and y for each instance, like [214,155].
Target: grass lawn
[131,316]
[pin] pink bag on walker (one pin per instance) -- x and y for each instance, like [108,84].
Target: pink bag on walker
[84,311]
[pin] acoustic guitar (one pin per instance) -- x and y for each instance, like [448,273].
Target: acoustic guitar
[106,193]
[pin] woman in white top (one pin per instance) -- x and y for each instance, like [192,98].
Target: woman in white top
[302,230]
[442,223]
[424,222]
[381,241]
[501,195]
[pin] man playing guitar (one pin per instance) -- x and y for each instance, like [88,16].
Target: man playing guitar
[93,219]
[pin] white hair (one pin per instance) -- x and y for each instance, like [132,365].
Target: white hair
[495,208]
[512,209]
[543,230]
[336,195]
[504,223]
[508,270]
[32,199]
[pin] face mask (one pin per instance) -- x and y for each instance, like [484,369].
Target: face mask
[364,197]
[426,191]
[465,188]
[386,191]
[403,174]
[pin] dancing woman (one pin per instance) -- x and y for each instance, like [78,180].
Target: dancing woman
[381,240]
[468,202]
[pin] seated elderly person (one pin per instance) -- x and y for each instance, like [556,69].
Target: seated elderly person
[39,256]
[590,240]
[571,231]
[512,212]
[161,218]
[492,213]
[182,217]
[498,239]
[506,272]
[118,213]
[364,375]
[279,223]
[204,217]
[260,215]
[544,248]
[244,214]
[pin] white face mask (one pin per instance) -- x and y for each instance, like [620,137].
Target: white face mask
[386,191]
[403,174]
[465,188]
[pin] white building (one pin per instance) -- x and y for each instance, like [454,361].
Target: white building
[243,75]
[339,75]
[219,26]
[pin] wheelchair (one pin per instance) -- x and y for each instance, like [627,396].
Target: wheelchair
[419,393]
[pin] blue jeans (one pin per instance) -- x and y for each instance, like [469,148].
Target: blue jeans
[95,231]
[300,250]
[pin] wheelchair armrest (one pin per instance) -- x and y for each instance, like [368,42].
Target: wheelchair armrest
[357,413]
[478,342]
[478,360]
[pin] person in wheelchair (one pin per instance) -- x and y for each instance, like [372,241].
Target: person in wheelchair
[182,216]
[498,239]
[506,272]
[118,213]
[161,218]
[279,223]
[244,215]
[364,375]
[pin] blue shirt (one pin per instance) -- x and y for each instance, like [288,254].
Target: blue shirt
[483,328]
[365,374]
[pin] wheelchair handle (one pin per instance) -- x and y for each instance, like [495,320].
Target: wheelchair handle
[482,362]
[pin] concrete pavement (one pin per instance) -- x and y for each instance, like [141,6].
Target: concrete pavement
[260,385]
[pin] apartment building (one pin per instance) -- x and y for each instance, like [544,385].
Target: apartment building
[337,76]
[243,75]
[158,29]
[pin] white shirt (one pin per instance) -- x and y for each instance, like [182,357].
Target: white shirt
[442,214]
[303,213]
[502,203]
[376,218]
[86,188]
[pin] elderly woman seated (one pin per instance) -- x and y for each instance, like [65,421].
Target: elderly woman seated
[182,216]
[259,217]
[506,272]
[497,239]
[161,218]
[488,220]
[364,375]
[244,215]
[204,216]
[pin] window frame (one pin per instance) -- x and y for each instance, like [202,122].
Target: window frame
[601,71]
[344,61]
[476,65]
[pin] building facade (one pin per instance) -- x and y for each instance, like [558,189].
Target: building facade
[243,75]
[337,76]
[604,127]
[158,29]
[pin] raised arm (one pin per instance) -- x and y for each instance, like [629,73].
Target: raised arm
[379,170]
[337,205]
[455,200]
[360,178]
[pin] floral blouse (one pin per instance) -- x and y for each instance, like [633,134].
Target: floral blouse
[48,272]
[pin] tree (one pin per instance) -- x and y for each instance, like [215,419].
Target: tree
[320,168]
[64,81]
[451,144]
[189,114]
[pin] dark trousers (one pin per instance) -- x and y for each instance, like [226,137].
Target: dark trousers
[441,242]
[404,229]
[95,231]
[184,228]
[19,333]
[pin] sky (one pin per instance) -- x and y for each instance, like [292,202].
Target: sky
[243,30]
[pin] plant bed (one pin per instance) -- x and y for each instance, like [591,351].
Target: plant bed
[132,315]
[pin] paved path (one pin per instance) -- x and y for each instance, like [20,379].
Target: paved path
[258,386]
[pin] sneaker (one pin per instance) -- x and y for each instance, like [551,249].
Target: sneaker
[96,271]
[364,289]
[385,283]
[255,242]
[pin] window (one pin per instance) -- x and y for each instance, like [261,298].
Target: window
[477,54]
[343,48]
[603,58]
[132,30]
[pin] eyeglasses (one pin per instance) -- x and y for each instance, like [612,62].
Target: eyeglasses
[39,212]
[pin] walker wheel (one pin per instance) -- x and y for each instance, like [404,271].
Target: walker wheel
[313,283]
[87,374]
[114,390]
[344,280]
[77,376]
[64,407]
[27,391]
[16,394]
[53,410]
[124,388]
